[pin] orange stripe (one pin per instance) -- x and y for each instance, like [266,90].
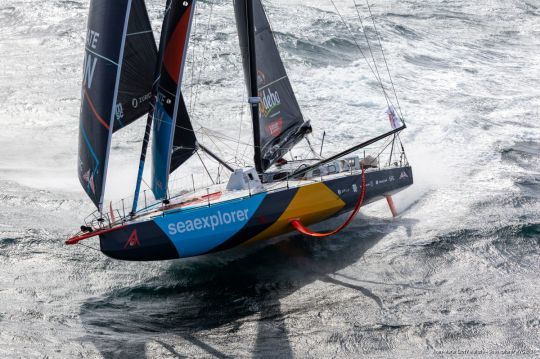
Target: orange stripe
[174,52]
[94,110]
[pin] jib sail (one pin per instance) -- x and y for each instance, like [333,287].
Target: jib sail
[108,53]
[138,68]
[185,141]
[280,121]
[168,131]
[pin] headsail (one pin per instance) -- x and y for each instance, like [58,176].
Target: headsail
[185,141]
[138,68]
[105,44]
[281,124]
[170,105]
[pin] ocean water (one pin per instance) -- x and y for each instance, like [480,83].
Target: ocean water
[456,274]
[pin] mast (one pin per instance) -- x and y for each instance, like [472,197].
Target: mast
[278,123]
[254,98]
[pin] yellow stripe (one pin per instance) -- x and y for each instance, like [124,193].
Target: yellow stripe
[311,204]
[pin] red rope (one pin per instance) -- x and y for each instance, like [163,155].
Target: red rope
[304,230]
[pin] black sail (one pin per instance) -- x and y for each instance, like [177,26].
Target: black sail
[185,141]
[281,124]
[106,33]
[138,68]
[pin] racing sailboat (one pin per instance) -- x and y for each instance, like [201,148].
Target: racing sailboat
[126,76]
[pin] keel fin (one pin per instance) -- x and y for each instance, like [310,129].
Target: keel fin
[392,206]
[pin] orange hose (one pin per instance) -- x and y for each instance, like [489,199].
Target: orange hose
[304,230]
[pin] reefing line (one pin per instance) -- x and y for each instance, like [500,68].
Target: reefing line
[306,231]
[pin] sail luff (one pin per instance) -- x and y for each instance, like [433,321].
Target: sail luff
[254,91]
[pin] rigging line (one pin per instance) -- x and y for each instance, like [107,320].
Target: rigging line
[244,95]
[210,137]
[146,184]
[311,148]
[367,41]
[205,168]
[202,131]
[206,45]
[383,148]
[384,58]
[361,51]
[402,149]
[206,131]
[206,150]
[193,59]
[216,145]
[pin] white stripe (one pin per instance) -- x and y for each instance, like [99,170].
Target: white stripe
[101,56]
[139,33]
[115,97]
[273,82]
[168,93]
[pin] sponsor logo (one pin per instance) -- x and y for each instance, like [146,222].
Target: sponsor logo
[133,240]
[135,102]
[403,175]
[275,128]
[89,70]
[92,38]
[269,102]
[354,188]
[211,222]
[90,61]
[119,111]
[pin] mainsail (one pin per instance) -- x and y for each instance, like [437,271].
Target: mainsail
[279,121]
[112,54]
[172,129]
[138,68]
